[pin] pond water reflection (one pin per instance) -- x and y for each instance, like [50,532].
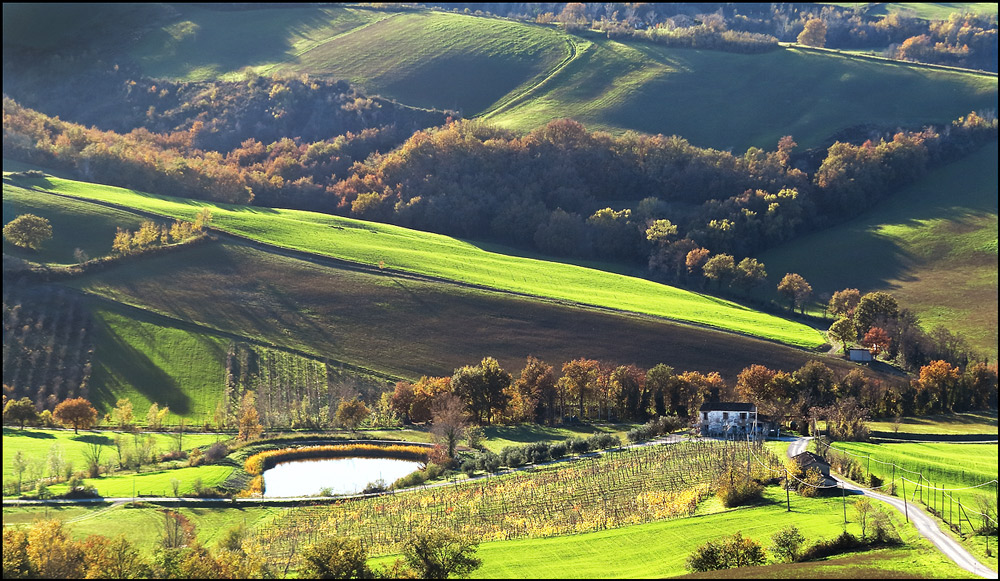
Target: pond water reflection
[338,475]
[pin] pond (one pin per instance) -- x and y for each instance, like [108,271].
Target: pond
[336,475]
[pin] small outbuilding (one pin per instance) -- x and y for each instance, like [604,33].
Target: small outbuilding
[807,460]
[859,354]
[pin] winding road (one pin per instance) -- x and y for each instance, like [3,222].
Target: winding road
[925,524]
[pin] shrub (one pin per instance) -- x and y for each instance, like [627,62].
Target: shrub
[557,450]
[787,543]
[469,467]
[735,551]
[537,452]
[216,452]
[845,542]
[578,445]
[488,461]
[512,456]
[603,441]
[735,489]
[413,479]
[375,486]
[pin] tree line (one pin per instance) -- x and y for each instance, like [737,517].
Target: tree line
[587,389]
[962,39]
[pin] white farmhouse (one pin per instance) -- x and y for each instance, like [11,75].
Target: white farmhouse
[732,419]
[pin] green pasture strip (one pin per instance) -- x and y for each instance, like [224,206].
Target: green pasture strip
[929,10]
[157,483]
[65,216]
[659,549]
[984,422]
[36,444]
[408,328]
[437,59]
[143,526]
[943,465]
[462,261]
[205,43]
[618,86]
[933,245]
[496,438]
[149,362]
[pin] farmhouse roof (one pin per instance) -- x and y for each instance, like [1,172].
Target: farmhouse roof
[727,406]
[807,459]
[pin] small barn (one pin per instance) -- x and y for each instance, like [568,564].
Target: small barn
[807,460]
[859,354]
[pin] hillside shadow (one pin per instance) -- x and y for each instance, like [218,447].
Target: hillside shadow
[120,363]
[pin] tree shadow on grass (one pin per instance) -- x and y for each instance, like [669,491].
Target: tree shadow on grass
[17,433]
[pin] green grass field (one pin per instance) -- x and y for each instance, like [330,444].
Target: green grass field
[933,245]
[522,75]
[150,362]
[37,443]
[942,465]
[65,216]
[959,423]
[457,260]
[408,328]
[142,526]
[931,10]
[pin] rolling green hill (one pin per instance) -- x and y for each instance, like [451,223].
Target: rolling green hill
[395,248]
[522,75]
[933,245]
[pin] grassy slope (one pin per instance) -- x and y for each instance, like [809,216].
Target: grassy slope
[408,327]
[660,549]
[616,86]
[945,465]
[933,245]
[959,423]
[449,258]
[65,217]
[931,10]
[442,60]
[150,362]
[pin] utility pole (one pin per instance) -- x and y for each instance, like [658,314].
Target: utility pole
[788,497]
[905,509]
[843,497]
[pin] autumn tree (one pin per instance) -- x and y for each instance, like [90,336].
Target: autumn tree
[156,416]
[484,388]
[122,415]
[696,259]
[440,554]
[52,553]
[20,411]
[875,309]
[843,330]
[250,428]
[938,382]
[76,412]
[581,380]
[795,288]
[112,558]
[335,558]
[814,33]
[449,421]
[750,274]
[351,413]
[754,383]
[877,340]
[28,231]
[533,395]
[843,302]
[720,268]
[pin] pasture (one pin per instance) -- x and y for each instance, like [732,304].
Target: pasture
[406,327]
[521,75]
[411,251]
[984,422]
[65,216]
[933,245]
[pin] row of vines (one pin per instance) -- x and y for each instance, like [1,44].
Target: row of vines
[291,390]
[615,489]
[47,344]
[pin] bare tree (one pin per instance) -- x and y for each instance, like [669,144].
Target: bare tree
[450,420]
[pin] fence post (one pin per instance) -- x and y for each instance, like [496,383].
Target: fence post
[906,511]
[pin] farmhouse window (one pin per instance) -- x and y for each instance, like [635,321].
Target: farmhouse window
[725,415]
